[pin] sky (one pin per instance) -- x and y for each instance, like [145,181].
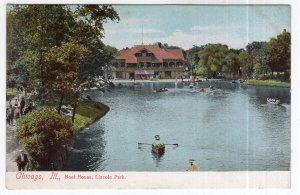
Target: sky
[188,25]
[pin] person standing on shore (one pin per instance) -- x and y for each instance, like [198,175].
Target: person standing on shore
[22,106]
[22,161]
[16,101]
[192,166]
[16,112]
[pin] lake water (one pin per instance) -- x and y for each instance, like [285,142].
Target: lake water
[231,128]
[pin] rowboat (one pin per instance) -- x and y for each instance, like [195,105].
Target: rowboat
[158,149]
[162,90]
[202,90]
[273,101]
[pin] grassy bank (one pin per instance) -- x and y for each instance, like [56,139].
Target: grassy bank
[88,112]
[272,83]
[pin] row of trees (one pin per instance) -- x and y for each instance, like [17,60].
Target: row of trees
[259,60]
[56,50]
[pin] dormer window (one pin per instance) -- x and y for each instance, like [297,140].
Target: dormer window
[144,53]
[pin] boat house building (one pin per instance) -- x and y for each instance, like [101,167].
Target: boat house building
[148,62]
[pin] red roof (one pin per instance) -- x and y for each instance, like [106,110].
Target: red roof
[129,54]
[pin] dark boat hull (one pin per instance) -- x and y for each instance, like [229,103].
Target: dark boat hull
[158,150]
[162,90]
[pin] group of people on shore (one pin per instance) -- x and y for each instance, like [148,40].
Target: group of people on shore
[18,107]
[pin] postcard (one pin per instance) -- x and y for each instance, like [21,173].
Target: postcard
[160,96]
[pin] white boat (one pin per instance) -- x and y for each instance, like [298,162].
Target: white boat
[273,101]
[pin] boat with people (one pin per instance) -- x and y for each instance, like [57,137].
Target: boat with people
[162,90]
[158,149]
[273,101]
[211,87]
[202,89]
[191,85]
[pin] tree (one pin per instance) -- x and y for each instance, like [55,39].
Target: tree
[61,70]
[212,58]
[192,56]
[39,27]
[94,16]
[279,53]
[42,27]
[232,64]
[14,46]
[43,132]
[261,69]
[252,59]
[96,63]
[71,68]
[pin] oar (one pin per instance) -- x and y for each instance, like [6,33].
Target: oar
[172,144]
[151,144]
[143,144]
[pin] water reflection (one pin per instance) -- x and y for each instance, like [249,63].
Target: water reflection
[231,128]
[157,158]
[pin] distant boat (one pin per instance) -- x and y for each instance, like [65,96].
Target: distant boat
[191,85]
[158,149]
[162,90]
[273,101]
[202,90]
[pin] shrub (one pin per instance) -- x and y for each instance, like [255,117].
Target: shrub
[263,77]
[42,133]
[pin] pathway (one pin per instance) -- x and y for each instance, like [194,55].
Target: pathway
[12,145]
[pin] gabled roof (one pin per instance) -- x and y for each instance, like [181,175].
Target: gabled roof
[129,54]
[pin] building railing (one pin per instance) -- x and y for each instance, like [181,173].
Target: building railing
[181,68]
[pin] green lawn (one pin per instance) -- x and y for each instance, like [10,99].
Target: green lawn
[272,83]
[88,112]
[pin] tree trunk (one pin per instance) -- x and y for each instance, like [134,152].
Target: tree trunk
[75,106]
[272,74]
[60,103]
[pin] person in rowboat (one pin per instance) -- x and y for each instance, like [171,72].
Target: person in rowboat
[157,142]
[202,89]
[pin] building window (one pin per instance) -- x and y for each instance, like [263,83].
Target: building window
[165,64]
[172,64]
[179,64]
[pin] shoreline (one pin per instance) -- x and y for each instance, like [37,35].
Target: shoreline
[159,81]
[267,83]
